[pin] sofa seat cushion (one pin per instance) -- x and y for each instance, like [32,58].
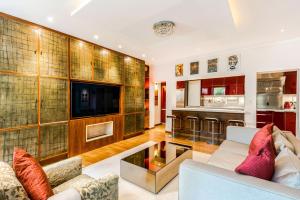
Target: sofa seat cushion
[226,159]
[234,147]
[10,187]
[77,183]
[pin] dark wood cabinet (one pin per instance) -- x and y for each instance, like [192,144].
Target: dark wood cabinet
[290,86]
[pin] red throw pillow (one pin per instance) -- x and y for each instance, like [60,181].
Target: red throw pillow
[31,175]
[259,139]
[261,165]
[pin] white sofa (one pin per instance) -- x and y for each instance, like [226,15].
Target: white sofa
[216,180]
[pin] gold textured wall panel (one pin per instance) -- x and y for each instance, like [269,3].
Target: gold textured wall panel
[101,64]
[18,100]
[54,139]
[53,54]
[81,59]
[24,138]
[54,100]
[18,45]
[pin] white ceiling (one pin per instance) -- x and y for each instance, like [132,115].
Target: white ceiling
[202,26]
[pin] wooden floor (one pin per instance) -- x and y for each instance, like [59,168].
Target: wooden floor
[156,134]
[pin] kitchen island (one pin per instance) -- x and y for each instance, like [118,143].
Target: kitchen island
[222,114]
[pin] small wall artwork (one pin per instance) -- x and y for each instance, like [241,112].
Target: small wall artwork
[212,65]
[194,68]
[179,70]
[233,63]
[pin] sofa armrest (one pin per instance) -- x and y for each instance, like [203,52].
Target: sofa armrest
[209,182]
[240,134]
[69,194]
[105,188]
[63,171]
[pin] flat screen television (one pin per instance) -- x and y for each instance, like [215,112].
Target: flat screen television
[89,99]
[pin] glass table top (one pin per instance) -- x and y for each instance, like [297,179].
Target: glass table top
[157,156]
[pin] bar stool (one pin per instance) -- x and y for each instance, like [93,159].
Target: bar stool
[234,122]
[211,126]
[192,127]
[173,118]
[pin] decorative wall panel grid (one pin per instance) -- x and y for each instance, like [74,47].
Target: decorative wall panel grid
[130,124]
[54,139]
[140,69]
[25,138]
[140,122]
[54,100]
[81,59]
[129,99]
[139,99]
[18,43]
[18,100]
[101,61]
[116,65]
[130,72]
[54,54]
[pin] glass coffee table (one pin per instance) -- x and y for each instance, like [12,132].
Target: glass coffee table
[154,167]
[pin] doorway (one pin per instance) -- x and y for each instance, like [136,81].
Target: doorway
[163,102]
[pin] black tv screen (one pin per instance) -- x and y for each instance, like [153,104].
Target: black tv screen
[89,99]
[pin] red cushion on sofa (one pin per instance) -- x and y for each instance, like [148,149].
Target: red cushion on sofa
[261,165]
[259,139]
[31,175]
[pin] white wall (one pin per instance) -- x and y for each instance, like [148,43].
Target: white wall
[269,57]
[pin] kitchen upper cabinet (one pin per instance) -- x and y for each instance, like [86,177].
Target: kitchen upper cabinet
[290,86]
[230,83]
[206,86]
[218,82]
[240,85]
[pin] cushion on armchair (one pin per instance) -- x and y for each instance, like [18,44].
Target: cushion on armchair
[31,175]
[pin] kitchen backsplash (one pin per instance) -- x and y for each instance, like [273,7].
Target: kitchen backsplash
[223,101]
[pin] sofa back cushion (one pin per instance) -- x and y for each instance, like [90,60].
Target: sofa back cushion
[287,169]
[280,140]
[294,141]
[10,187]
[31,175]
[259,139]
[262,164]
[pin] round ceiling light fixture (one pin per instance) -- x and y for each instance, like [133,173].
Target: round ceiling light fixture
[164,28]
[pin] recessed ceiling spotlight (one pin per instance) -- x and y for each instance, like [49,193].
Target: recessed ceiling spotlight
[144,55]
[120,46]
[50,19]
[96,37]
[282,30]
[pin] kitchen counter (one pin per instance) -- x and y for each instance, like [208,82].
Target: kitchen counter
[276,110]
[208,109]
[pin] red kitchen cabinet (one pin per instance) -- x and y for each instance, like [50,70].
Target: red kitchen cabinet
[240,85]
[290,122]
[290,86]
[180,85]
[206,86]
[218,82]
[278,120]
[230,83]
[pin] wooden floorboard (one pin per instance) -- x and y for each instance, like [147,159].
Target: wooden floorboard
[156,134]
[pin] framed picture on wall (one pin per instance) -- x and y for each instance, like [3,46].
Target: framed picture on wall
[179,70]
[212,65]
[233,62]
[194,68]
